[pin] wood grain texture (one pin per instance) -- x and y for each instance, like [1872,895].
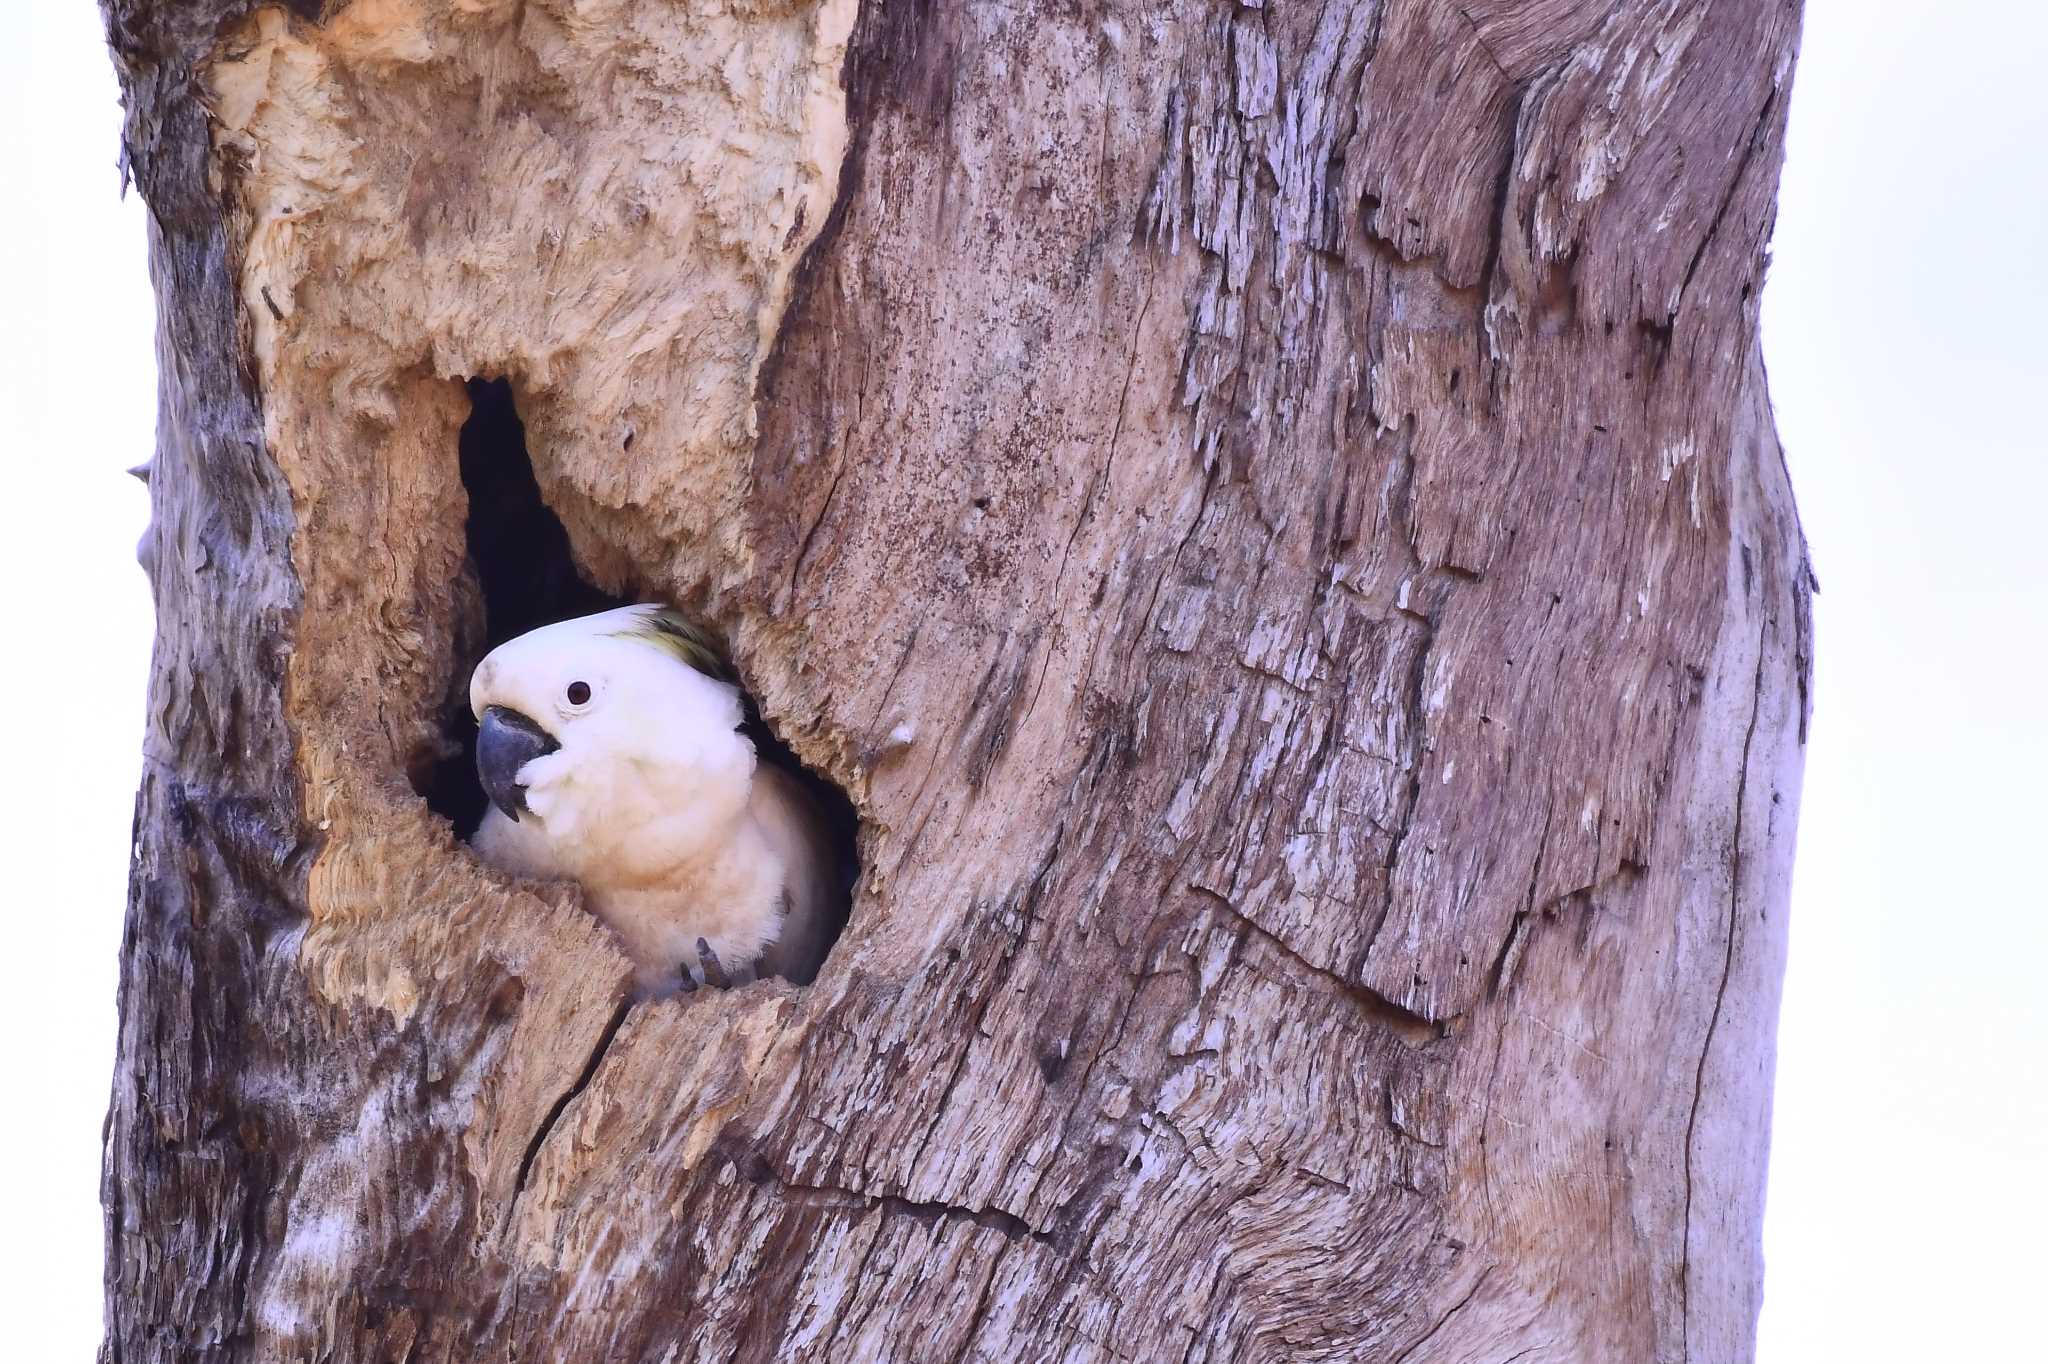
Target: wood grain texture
[1272,513]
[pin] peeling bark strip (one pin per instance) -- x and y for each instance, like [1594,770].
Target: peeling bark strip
[1273,514]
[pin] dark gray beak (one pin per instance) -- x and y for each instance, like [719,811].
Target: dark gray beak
[505,742]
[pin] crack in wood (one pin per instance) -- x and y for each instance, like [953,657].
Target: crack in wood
[561,1105]
[1000,1220]
[1755,140]
[1721,993]
[1445,1319]
[1479,39]
[1414,1030]
[1496,227]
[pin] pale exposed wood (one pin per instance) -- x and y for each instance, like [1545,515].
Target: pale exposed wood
[1271,512]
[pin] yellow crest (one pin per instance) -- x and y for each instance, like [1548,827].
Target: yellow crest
[672,632]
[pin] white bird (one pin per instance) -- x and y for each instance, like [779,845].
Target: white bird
[610,747]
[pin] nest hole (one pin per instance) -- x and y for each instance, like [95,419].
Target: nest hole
[521,563]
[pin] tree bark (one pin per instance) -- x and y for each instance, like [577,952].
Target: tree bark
[1270,512]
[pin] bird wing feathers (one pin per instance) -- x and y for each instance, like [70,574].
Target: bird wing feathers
[790,820]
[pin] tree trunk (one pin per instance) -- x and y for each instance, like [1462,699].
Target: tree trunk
[1270,513]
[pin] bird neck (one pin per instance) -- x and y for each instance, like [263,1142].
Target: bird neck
[662,816]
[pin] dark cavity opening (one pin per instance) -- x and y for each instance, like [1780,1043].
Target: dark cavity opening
[519,553]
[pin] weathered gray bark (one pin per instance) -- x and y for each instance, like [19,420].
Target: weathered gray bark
[1271,512]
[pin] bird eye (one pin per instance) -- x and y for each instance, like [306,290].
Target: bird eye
[579,692]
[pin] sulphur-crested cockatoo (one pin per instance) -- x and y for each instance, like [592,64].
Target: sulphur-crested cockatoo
[611,750]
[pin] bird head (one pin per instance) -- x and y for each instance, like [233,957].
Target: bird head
[615,734]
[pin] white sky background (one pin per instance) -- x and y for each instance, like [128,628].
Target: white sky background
[1904,322]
